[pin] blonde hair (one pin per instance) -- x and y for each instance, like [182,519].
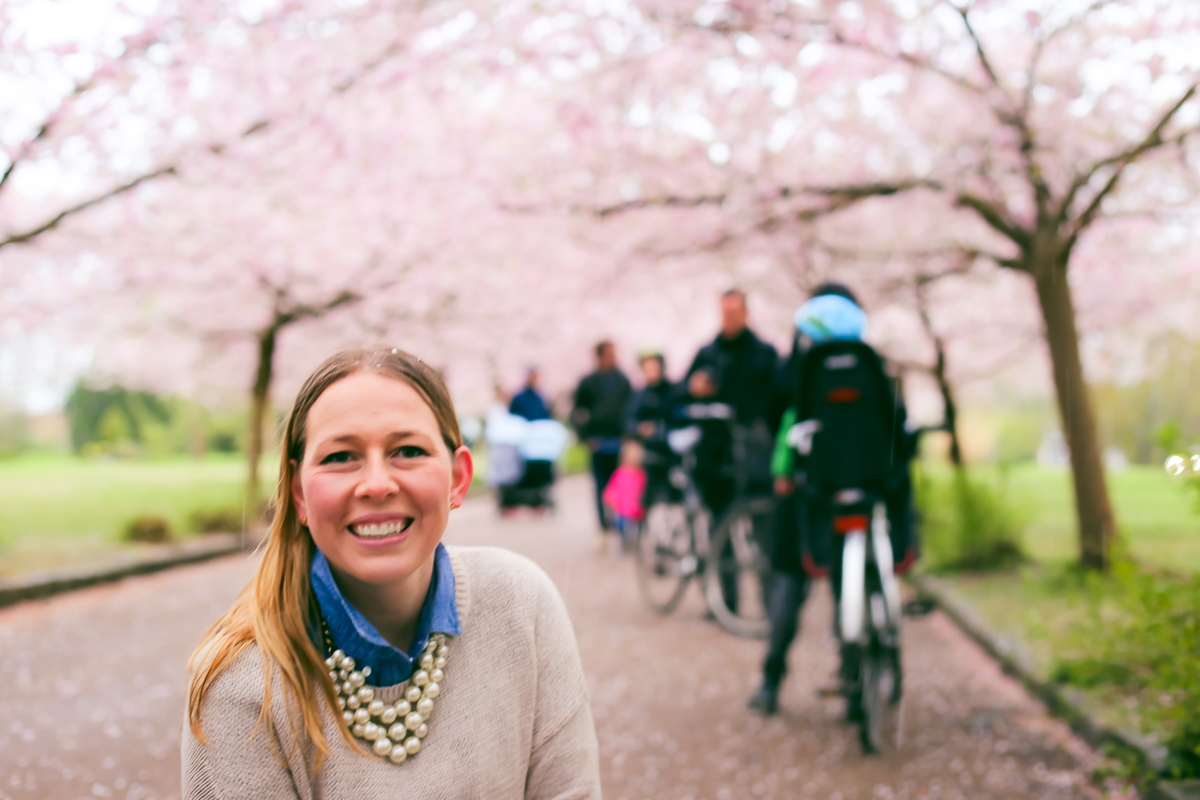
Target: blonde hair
[276,609]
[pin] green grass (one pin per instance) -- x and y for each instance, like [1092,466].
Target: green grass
[1048,605]
[1154,513]
[60,509]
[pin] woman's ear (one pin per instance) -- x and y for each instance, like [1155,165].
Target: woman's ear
[298,492]
[462,470]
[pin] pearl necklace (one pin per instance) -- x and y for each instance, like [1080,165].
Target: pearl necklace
[394,730]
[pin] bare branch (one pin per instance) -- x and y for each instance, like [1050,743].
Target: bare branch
[667,201]
[1118,162]
[25,236]
[912,61]
[838,197]
[995,218]
[301,310]
[980,52]
[42,132]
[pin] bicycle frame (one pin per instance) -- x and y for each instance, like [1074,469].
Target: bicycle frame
[867,545]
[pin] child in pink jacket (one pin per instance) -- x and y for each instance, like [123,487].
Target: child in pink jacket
[623,494]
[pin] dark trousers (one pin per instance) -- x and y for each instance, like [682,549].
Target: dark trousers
[717,492]
[604,464]
[788,593]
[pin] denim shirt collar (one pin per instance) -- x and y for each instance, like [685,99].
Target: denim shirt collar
[359,639]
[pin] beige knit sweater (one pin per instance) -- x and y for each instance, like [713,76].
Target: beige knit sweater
[513,719]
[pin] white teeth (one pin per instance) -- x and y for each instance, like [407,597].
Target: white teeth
[380,531]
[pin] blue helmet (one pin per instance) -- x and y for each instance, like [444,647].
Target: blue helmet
[830,316]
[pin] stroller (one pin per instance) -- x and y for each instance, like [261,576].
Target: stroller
[522,459]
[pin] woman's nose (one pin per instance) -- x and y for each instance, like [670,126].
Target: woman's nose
[377,480]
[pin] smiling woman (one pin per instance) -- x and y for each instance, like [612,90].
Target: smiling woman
[321,680]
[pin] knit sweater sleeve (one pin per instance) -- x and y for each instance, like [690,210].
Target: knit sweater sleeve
[565,762]
[240,759]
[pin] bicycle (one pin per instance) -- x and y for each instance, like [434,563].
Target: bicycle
[868,617]
[737,577]
[672,539]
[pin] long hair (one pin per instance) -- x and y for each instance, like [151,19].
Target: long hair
[276,609]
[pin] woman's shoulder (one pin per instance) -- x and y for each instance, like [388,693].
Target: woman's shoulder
[495,573]
[240,683]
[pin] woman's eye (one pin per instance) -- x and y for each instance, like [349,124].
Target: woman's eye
[410,451]
[340,457]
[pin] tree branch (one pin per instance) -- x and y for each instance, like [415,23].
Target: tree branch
[1119,162]
[42,132]
[25,236]
[839,197]
[984,61]
[995,218]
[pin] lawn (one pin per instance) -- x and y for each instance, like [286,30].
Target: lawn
[1154,513]
[1048,606]
[59,509]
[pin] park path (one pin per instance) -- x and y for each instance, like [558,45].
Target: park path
[91,691]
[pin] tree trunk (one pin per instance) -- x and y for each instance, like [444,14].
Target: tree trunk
[260,395]
[950,407]
[1092,506]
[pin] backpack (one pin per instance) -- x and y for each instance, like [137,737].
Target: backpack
[859,443]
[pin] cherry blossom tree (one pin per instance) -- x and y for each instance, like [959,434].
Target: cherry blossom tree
[497,183]
[1020,127]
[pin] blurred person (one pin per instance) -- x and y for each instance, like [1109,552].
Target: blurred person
[652,408]
[529,402]
[653,411]
[623,494]
[601,400]
[831,314]
[320,680]
[740,370]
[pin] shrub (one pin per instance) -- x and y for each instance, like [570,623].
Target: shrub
[967,524]
[1142,633]
[149,529]
[216,520]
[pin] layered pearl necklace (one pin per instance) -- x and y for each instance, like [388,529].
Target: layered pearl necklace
[394,730]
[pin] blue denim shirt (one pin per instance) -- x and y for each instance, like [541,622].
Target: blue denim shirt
[359,639]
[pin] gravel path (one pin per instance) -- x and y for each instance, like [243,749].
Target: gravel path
[91,691]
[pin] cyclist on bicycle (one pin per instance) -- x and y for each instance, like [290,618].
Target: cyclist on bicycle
[831,314]
[740,370]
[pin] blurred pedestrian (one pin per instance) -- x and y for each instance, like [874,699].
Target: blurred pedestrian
[321,680]
[740,370]
[623,495]
[529,402]
[652,407]
[601,401]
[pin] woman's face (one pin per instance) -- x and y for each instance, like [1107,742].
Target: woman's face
[377,481]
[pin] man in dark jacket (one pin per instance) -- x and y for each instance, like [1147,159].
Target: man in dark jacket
[741,370]
[601,402]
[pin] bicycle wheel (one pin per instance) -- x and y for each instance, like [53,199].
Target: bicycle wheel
[879,730]
[738,570]
[665,558]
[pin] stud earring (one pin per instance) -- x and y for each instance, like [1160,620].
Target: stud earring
[304,521]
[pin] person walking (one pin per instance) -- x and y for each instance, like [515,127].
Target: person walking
[601,400]
[740,370]
[832,313]
[529,402]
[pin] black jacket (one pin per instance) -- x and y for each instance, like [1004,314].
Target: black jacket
[656,404]
[745,370]
[601,401]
